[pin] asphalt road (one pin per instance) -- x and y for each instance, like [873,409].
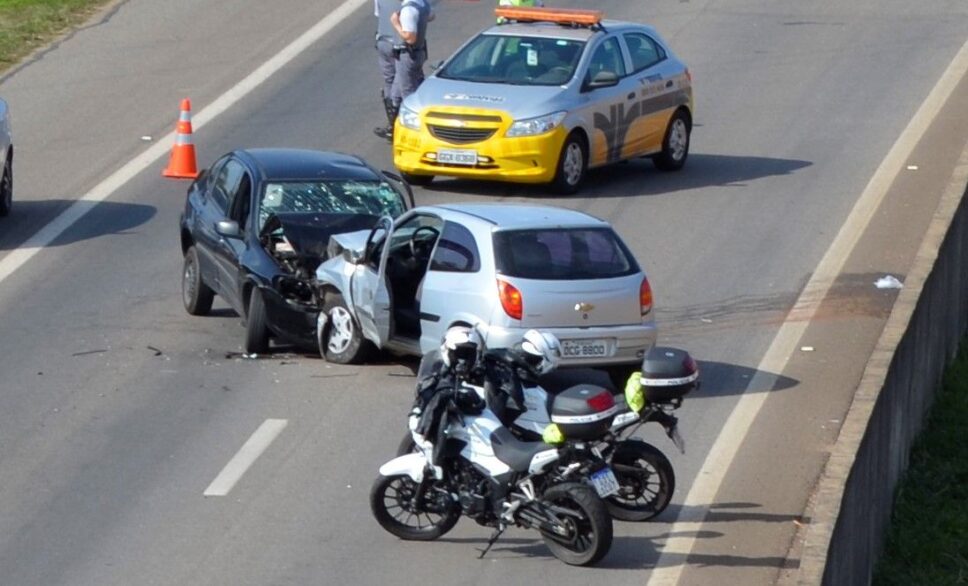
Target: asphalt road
[118,409]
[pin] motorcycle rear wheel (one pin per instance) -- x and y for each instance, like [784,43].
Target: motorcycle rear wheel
[589,526]
[391,500]
[646,481]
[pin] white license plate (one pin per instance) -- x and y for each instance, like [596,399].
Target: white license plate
[604,482]
[457,156]
[584,348]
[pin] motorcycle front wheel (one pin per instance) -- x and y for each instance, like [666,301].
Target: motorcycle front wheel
[585,518]
[646,481]
[393,506]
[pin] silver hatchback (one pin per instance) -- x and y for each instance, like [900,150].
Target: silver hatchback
[512,266]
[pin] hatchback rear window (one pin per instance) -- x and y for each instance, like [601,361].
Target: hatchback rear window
[562,254]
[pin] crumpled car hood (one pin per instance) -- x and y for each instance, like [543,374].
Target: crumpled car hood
[310,233]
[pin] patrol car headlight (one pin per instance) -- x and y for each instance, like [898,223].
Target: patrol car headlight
[534,126]
[409,118]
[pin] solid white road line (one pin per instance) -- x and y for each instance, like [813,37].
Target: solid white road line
[247,455]
[43,237]
[726,446]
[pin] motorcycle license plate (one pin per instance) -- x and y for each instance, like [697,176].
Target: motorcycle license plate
[457,156]
[604,482]
[584,348]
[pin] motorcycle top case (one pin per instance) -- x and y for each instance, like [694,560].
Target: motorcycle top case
[668,374]
[584,411]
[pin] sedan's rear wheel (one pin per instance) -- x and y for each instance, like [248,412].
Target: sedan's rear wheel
[6,189]
[196,295]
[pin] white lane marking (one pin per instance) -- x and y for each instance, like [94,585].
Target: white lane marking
[668,571]
[247,455]
[42,238]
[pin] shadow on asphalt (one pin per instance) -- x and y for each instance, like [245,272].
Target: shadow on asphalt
[640,177]
[103,219]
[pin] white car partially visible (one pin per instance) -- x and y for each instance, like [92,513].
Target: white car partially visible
[6,150]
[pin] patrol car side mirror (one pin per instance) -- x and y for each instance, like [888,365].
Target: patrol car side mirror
[602,79]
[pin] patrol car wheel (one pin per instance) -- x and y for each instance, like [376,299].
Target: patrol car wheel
[572,164]
[421,180]
[675,145]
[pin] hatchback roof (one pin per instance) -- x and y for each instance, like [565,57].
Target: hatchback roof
[283,163]
[522,215]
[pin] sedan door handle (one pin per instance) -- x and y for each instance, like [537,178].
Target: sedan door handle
[631,96]
[669,83]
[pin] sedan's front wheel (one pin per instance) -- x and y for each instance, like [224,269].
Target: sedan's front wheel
[256,332]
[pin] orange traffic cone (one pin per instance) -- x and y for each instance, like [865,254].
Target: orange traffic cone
[182,165]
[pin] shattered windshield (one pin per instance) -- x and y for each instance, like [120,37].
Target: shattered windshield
[515,60]
[376,198]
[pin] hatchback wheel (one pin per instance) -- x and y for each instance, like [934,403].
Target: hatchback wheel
[341,340]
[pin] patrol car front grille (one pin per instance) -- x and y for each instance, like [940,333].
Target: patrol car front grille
[459,135]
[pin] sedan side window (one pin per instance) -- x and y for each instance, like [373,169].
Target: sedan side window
[226,183]
[607,57]
[645,52]
[456,251]
[241,201]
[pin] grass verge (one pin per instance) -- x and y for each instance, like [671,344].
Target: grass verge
[928,538]
[28,24]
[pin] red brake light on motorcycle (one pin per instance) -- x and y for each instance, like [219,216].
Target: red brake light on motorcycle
[511,299]
[645,296]
[602,401]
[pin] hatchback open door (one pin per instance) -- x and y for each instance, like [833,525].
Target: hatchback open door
[369,291]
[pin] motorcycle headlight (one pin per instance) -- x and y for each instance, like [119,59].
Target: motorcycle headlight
[409,118]
[535,126]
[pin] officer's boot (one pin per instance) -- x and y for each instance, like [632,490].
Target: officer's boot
[391,110]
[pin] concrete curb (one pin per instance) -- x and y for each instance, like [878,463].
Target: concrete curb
[855,494]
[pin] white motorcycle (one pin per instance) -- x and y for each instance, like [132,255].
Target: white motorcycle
[645,475]
[467,463]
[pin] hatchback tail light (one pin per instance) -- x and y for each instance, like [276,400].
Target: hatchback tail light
[511,299]
[645,296]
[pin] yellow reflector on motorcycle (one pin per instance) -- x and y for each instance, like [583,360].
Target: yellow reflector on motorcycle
[634,395]
[552,435]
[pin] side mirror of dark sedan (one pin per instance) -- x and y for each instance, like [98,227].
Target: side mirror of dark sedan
[228,229]
[602,79]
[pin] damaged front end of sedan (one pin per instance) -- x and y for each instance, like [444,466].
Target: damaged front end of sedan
[299,243]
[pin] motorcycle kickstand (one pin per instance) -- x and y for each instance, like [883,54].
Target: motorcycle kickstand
[494,537]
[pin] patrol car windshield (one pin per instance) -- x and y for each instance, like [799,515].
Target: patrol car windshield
[515,60]
[375,198]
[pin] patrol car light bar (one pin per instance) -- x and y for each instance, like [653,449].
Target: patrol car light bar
[544,14]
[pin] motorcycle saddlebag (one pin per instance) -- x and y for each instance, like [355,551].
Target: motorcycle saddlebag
[584,411]
[668,374]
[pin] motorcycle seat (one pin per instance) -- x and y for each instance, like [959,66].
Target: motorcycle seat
[515,453]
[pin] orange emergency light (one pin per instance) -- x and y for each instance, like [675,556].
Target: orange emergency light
[577,16]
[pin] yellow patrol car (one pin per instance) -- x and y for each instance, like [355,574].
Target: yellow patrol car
[544,96]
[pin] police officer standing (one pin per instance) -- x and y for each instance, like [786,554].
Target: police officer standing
[408,50]
[386,38]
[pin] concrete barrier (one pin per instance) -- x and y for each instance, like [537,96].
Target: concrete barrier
[855,495]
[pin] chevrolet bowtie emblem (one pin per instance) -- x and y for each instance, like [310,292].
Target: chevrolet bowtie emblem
[584,307]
